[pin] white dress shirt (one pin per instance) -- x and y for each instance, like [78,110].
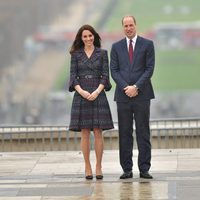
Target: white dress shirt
[133,42]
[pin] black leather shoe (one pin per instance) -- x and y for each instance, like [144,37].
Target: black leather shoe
[145,175]
[89,177]
[99,177]
[126,175]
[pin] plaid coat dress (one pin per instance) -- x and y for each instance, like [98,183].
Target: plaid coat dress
[89,73]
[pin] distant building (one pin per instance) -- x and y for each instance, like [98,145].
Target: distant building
[176,35]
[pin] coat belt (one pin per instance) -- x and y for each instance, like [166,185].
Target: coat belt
[88,76]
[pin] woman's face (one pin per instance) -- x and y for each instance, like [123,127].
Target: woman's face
[87,38]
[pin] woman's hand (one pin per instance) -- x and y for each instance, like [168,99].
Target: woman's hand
[82,92]
[85,94]
[93,95]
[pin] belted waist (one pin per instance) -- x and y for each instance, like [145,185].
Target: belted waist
[89,76]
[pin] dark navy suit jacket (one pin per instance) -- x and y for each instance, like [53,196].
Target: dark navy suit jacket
[139,72]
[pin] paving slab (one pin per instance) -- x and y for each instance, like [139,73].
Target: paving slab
[60,175]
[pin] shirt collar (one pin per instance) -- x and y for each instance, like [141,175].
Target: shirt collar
[133,39]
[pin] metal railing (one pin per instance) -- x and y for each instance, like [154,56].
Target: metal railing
[167,133]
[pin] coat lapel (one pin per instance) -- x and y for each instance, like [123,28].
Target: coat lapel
[96,54]
[89,62]
[82,56]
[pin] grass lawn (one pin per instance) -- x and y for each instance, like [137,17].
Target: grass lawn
[177,70]
[148,12]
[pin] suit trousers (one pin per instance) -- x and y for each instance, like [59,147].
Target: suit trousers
[138,111]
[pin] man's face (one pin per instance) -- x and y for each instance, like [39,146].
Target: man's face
[129,27]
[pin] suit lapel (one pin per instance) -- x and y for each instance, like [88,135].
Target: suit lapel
[138,46]
[125,51]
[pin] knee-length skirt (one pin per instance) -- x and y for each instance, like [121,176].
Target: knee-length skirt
[90,114]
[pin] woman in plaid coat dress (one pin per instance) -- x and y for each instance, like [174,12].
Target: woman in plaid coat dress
[89,78]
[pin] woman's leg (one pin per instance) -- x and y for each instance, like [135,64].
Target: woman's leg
[85,146]
[98,143]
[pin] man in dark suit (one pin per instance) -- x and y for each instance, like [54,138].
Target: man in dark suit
[132,65]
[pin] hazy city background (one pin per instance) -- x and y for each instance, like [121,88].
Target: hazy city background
[35,37]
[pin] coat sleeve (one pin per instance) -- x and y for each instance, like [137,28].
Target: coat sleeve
[105,79]
[73,81]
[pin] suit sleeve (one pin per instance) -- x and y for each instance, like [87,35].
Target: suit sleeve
[73,73]
[149,68]
[115,69]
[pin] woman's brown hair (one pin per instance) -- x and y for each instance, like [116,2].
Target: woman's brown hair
[78,43]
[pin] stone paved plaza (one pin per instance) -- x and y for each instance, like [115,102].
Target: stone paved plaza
[60,176]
